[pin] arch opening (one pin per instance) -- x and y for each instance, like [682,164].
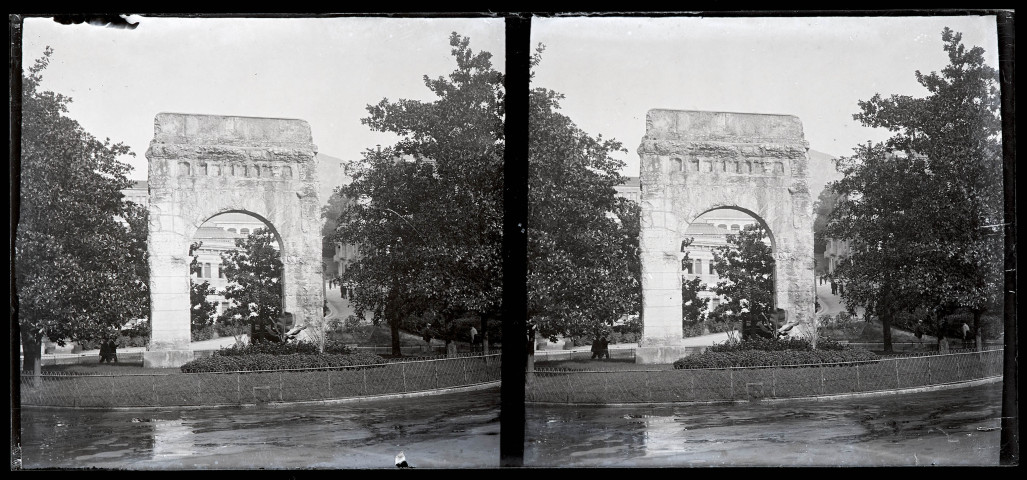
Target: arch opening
[237,280]
[728,275]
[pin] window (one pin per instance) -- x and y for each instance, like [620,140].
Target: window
[206,270]
[221,270]
[232,230]
[224,307]
[698,267]
[244,231]
[686,265]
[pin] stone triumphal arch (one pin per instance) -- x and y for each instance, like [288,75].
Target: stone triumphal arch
[695,161]
[204,165]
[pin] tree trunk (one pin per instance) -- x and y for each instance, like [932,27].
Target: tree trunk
[484,334]
[394,331]
[32,348]
[885,317]
[529,369]
[977,333]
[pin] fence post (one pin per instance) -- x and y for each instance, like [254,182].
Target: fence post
[896,362]
[436,374]
[929,382]
[364,374]
[773,382]
[857,378]
[329,373]
[238,388]
[403,370]
[648,389]
[692,378]
[959,371]
[823,386]
[463,366]
[731,378]
[281,386]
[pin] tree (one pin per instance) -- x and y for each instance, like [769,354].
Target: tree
[944,244]
[201,312]
[430,226]
[583,268]
[746,268]
[77,268]
[254,274]
[693,307]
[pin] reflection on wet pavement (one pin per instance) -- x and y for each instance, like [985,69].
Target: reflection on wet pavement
[456,430]
[931,428]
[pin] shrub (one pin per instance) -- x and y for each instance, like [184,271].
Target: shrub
[226,329]
[760,358]
[291,348]
[772,345]
[264,361]
[205,333]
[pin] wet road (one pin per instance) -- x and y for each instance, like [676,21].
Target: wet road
[457,430]
[951,427]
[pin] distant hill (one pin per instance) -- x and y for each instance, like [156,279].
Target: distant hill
[821,171]
[330,175]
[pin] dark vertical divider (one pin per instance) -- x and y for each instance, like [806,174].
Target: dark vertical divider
[1009,448]
[515,198]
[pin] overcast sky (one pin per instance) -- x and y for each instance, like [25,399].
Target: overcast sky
[613,70]
[324,71]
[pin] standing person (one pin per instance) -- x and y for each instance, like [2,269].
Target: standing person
[104,351]
[112,350]
[474,333]
[834,287]
[918,331]
[966,335]
[596,351]
[604,347]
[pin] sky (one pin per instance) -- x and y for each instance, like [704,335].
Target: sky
[613,70]
[322,70]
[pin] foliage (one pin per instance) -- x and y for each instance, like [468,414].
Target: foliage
[199,334]
[693,307]
[746,270]
[920,210]
[254,274]
[759,358]
[583,268]
[430,225]
[79,270]
[201,311]
[774,345]
[292,348]
[264,361]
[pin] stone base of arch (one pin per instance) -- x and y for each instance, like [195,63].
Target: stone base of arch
[166,358]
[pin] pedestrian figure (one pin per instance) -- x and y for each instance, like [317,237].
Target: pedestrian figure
[834,288]
[104,351]
[966,335]
[474,333]
[604,347]
[595,349]
[918,331]
[108,351]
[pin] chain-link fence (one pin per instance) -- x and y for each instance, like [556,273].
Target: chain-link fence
[730,384]
[241,388]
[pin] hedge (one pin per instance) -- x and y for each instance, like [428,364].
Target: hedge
[291,348]
[264,361]
[760,358]
[772,345]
